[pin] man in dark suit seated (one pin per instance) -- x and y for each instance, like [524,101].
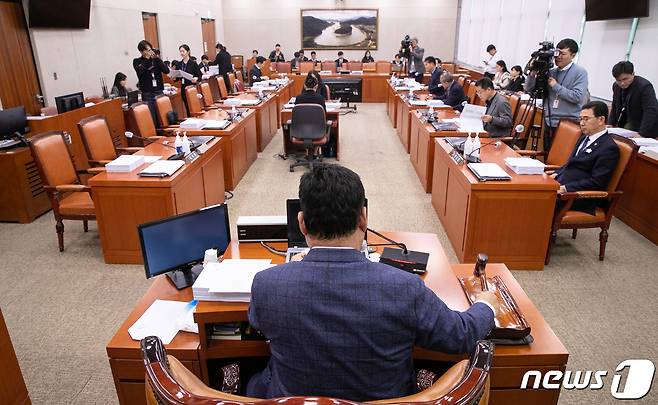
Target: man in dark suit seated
[310,94]
[593,159]
[431,65]
[256,73]
[340,61]
[453,92]
[340,325]
[497,118]
[634,104]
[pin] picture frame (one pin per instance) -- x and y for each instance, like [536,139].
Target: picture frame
[345,28]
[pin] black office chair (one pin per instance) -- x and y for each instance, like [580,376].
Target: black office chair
[309,127]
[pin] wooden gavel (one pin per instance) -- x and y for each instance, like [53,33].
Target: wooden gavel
[480,272]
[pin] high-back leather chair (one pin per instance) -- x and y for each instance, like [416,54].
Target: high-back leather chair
[164,110]
[221,84]
[462,80]
[238,75]
[206,93]
[607,200]
[231,80]
[469,90]
[98,142]
[69,198]
[524,115]
[305,67]
[328,91]
[169,382]
[354,66]
[514,104]
[369,67]
[328,66]
[143,119]
[283,67]
[383,67]
[309,127]
[238,87]
[565,139]
[193,102]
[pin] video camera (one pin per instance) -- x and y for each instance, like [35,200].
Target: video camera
[541,61]
[404,47]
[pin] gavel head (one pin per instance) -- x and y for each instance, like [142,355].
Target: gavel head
[480,264]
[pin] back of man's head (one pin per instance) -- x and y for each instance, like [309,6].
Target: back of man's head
[447,77]
[569,44]
[260,59]
[332,198]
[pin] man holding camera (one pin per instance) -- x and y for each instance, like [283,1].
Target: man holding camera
[567,89]
[416,67]
[149,68]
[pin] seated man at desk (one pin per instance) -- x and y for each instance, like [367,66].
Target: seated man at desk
[310,94]
[434,86]
[453,94]
[593,159]
[256,73]
[497,118]
[340,325]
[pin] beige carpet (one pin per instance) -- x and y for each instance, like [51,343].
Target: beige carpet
[62,309]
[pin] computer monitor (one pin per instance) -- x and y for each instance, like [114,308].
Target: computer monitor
[13,120]
[174,245]
[69,102]
[295,236]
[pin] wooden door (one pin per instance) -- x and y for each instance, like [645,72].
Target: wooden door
[208,33]
[150,21]
[19,83]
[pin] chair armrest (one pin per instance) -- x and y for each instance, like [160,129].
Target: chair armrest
[551,167]
[582,195]
[532,153]
[64,188]
[130,149]
[95,170]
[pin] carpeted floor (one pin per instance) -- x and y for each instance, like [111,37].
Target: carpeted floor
[62,308]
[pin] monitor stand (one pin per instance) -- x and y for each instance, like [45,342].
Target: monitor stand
[185,276]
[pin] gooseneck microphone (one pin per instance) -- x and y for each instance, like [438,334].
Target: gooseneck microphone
[392,242]
[473,159]
[177,156]
[405,259]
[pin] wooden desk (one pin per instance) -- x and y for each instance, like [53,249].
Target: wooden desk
[238,142]
[12,385]
[637,206]
[125,200]
[421,143]
[289,147]
[22,197]
[509,365]
[391,103]
[68,121]
[373,85]
[508,220]
[403,114]
[266,116]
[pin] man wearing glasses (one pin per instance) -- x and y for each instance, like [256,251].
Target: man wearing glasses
[567,89]
[593,159]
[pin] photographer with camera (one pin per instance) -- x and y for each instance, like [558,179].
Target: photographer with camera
[414,54]
[149,68]
[563,87]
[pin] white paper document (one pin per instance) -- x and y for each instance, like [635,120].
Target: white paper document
[216,124]
[162,168]
[525,165]
[164,319]
[470,119]
[647,142]
[626,133]
[124,164]
[174,74]
[488,171]
[230,280]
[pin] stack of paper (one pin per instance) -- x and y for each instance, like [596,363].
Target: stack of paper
[525,165]
[356,72]
[626,133]
[232,101]
[418,102]
[470,119]
[262,83]
[162,168]
[192,123]
[124,164]
[326,72]
[164,319]
[251,101]
[652,152]
[332,105]
[435,103]
[216,124]
[645,142]
[229,280]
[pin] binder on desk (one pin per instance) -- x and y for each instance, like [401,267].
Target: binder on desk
[162,168]
[488,172]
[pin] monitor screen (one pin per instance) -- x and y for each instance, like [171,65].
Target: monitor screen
[69,102]
[295,236]
[12,120]
[173,242]
[596,10]
[59,13]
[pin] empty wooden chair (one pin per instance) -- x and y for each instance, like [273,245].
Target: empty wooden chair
[97,140]
[329,66]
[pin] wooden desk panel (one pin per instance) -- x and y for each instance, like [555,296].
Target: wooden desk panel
[289,147]
[266,117]
[403,116]
[509,365]
[110,109]
[125,200]
[22,197]
[12,385]
[283,95]
[373,85]
[514,215]
[391,103]
[637,206]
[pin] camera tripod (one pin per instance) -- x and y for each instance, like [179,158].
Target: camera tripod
[535,130]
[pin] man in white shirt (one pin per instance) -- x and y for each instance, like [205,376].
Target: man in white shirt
[489,60]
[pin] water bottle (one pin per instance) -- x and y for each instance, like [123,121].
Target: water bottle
[476,146]
[234,113]
[430,113]
[178,143]
[185,144]
[468,145]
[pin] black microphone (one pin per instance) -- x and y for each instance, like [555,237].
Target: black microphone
[400,244]
[177,156]
[405,259]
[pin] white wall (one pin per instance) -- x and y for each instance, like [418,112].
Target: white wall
[259,24]
[81,57]
[517,26]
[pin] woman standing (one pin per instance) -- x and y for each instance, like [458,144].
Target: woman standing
[188,65]
[502,77]
[367,58]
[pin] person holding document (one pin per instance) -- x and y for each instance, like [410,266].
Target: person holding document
[352,347]
[498,116]
[187,65]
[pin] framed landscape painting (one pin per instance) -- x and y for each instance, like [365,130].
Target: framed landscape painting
[339,29]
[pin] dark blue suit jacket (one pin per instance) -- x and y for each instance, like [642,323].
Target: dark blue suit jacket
[340,325]
[589,170]
[434,86]
[454,96]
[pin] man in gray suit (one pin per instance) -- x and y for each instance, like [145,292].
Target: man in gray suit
[498,116]
[416,65]
[340,325]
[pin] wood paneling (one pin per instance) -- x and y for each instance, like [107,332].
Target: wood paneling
[22,197]
[12,386]
[208,34]
[637,206]
[150,21]
[19,83]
